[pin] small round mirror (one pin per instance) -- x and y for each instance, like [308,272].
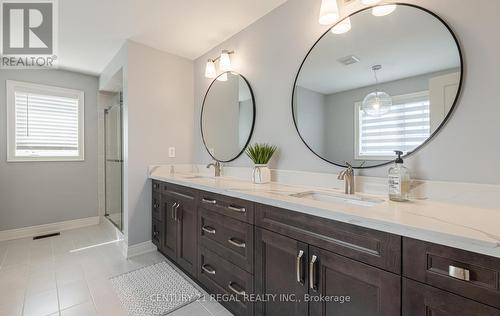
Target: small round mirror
[227,116]
[387,80]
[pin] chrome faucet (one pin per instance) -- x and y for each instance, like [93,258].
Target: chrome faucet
[348,176]
[217,166]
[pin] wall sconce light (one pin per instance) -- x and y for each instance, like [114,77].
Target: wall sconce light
[329,12]
[224,65]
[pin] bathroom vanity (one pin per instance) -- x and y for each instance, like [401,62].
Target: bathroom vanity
[252,245]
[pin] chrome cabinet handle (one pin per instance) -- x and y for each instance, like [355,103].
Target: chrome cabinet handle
[312,272]
[459,273]
[299,267]
[208,269]
[237,209]
[208,230]
[209,201]
[173,211]
[156,205]
[234,242]
[231,287]
[177,212]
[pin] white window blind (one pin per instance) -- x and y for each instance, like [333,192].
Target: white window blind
[46,122]
[405,127]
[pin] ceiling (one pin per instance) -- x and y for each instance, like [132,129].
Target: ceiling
[407,43]
[92,31]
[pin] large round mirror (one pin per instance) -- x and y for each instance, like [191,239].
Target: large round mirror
[379,81]
[227,116]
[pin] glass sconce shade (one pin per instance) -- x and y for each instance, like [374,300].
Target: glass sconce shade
[210,71]
[342,27]
[329,12]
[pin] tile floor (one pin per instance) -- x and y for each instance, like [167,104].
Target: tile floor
[69,275]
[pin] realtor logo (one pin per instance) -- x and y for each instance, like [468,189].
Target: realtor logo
[28,33]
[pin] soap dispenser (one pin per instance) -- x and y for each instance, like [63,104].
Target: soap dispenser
[399,180]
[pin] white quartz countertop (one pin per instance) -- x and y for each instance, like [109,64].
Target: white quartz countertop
[463,227]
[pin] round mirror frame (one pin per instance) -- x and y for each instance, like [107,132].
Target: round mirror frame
[253,117]
[438,129]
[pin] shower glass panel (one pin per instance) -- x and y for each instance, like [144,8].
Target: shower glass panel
[113,164]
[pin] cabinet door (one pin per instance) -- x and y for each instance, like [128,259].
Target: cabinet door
[170,228]
[341,286]
[423,300]
[280,269]
[186,217]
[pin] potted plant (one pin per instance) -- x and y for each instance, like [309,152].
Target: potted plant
[260,154]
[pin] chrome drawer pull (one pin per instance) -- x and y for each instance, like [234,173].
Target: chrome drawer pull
[208,230]
[459,273]
[312,272]
[237,209]
[299,267]
[234,242]
[208,269]
[173,208]
[156,205]
[231,287]
[209,201]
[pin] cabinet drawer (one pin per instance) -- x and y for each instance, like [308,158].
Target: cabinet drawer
[157,234]
[423,300]
[179,193]
[156,207]
[156,186]
[222,277]
[227,237]
[465,273]
[373,247]
[235,208]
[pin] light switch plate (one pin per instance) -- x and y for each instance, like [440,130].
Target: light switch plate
[171,152]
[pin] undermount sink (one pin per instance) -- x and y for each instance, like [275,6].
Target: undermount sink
[330,197]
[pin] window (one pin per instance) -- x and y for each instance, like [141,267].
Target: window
[44,123]
[404,128]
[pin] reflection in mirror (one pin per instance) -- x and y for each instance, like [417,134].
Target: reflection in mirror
[228,116]
[386,84]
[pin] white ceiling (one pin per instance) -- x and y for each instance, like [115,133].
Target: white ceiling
[92,31]
[407,43]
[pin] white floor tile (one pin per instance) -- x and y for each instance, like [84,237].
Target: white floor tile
[41,304]
[73,293]
[85,309]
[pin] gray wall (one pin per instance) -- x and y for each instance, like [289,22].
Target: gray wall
[35,193]
[269,52]
[310,117]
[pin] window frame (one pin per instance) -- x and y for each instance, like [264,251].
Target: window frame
[11,88]
[397,100]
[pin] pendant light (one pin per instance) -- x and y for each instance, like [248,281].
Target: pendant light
[329,12]
[210,71]
[370,2]
[342,27]
[383,10]
[378,102]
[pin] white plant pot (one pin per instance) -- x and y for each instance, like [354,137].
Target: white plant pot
[261,174]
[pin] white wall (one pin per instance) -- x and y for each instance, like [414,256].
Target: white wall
[157,114]
[269,52]
[36,193]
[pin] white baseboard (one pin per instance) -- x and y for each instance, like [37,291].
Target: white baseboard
[139,249]
[47,228]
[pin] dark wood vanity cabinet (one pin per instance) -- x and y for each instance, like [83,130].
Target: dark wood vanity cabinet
[179,218]
[281,270]
[423,300]
[299,264]
[312,281]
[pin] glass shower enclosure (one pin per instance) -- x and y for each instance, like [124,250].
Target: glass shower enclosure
[113,164]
